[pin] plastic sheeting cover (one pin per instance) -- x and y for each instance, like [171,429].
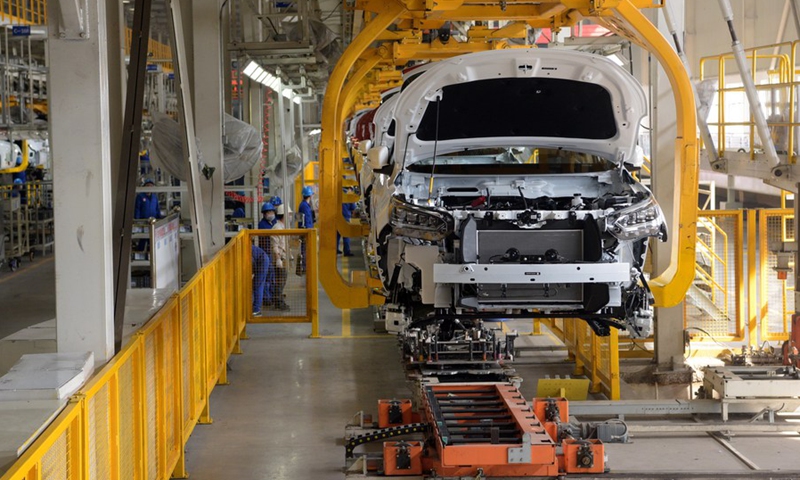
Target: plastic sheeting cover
[241,148]
[327,45]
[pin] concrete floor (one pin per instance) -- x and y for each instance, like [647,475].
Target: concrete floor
[289,398]
[283,415]
[27,296]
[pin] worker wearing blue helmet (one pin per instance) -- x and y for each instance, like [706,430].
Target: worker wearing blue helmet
[17,188]
[306,221]
[266,223]
[267,216]
[147,203]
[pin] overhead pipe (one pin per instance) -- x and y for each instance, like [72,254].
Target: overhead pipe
[749,87]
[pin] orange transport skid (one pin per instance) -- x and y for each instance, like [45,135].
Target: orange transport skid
[488,429]
[477,430]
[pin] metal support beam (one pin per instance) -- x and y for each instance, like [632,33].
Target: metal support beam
[669,320]
[127,173]
[208,98]
[186,121]
[81,119]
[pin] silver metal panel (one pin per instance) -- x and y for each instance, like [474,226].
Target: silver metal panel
[609,408]
[494,243]
[753,382]
[532,274]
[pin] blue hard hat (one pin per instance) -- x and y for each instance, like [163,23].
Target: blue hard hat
[19,160]
[276,200]
[148,180]
[18,181]
[308,191]
[267,207]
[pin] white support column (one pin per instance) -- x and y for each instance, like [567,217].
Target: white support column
[81,141]
[207,90]
[669,321]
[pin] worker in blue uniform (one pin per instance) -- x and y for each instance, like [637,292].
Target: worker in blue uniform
[306,221]
[19,179]
[146,207]
[147,203]
[347,213]
[267,216]
[260,264]
[266,223]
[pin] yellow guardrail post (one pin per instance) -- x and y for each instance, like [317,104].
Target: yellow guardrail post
[312,289]
[342,293]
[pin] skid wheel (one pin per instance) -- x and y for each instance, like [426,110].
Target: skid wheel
[31,255]
[13,264]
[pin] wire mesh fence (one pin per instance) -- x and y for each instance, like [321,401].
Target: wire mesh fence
[284,280]
[776,295]
[714,300]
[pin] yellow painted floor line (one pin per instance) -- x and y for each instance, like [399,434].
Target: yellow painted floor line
[347,330]
[28,269]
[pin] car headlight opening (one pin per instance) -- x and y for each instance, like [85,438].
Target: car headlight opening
[644,219]
[419,222]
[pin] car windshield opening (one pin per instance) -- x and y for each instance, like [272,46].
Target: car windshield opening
[513,160]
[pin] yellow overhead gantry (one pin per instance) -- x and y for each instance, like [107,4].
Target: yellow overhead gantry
[621,16]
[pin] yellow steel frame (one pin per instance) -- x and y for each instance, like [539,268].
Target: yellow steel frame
[595,357]
[715,66]
[309,236]
[133,418]
[155,49]
[622,16]
[24,12]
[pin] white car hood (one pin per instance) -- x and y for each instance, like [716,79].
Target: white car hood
[536,97]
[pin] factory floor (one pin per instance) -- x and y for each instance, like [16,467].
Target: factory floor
[28,295]
[282,416]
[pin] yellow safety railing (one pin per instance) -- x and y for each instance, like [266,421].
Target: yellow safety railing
[291,279]
[24,12]
[716,303]
[773,70]
[133,418]
[156,51]
[776,295]
[595,357]
[718,260]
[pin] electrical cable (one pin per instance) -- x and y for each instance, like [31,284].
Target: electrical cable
[709,336]
[332,12]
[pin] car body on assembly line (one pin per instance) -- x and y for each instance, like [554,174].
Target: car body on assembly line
[508,193]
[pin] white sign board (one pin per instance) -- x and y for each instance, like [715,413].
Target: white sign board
[166,254]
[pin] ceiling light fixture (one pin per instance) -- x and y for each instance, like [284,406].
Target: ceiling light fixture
[258,74]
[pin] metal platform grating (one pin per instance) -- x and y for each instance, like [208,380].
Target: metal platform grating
[470,416]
